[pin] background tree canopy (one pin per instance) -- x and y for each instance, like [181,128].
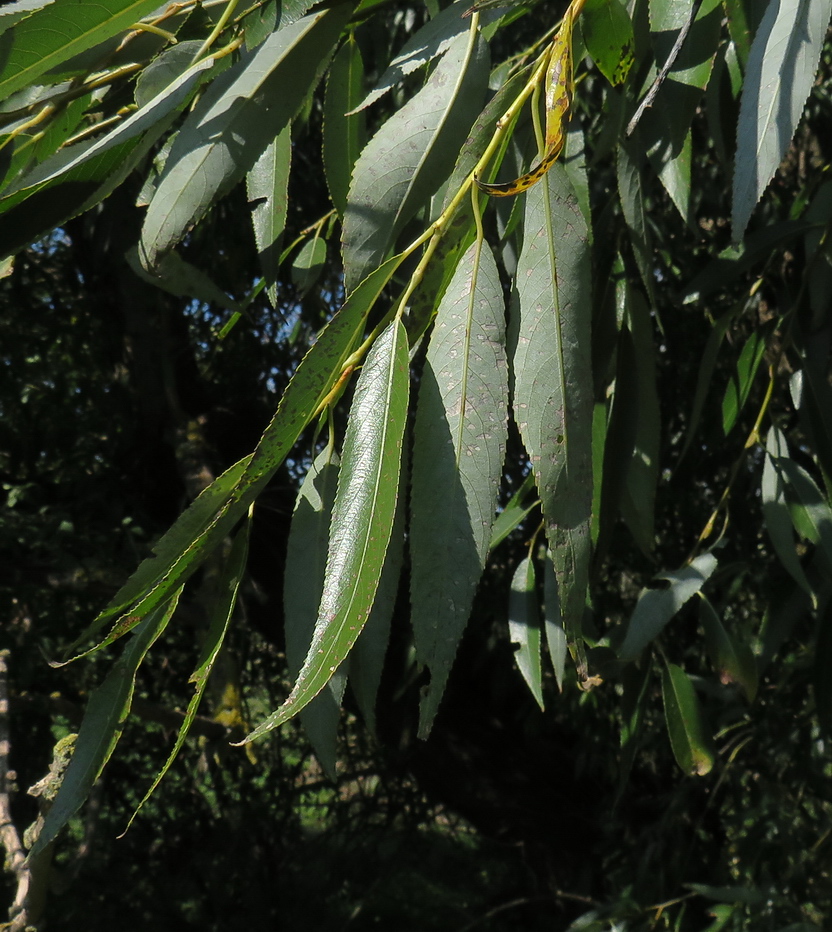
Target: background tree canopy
[458,380]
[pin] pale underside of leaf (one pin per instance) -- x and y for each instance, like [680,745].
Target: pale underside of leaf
[779,75]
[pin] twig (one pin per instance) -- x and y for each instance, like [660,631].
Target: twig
[650,96]
[9,837]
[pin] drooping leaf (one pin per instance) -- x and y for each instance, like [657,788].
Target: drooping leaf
[362,517]
[213,515]
[632,195]
[431,41]
[178,277]
[776,511]
[459,444]
[690,737]
[781,69]
[303,583]
[309,263]
[79,176]
[524,627]
[553,387]
[608,34]
[267,186]
[107,710]
[221,611]
[639,501]
[234,122]
[739,388]
[405,161]
[732,659]
[517,508]
[810,511]
[556,639]
[656,607]
[59,31]
[366,660]
[344,132]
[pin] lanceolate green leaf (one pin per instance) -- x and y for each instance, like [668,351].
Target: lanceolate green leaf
[552,372]
[344,132]
[631,192]
[809,509]
[431,41]
[101,728]
[366,660]
[776,511]
[732,659]
[267,185]
[63,29]
[233,123]
[16,10]
[303,583]
[221,611]
[459,443]
[213,515]
[553,621]
[608,34]
[781,69]
[639,502]
[739,388]
[524,627]
[690,737]
[404,163]
[362,517]
[656,607]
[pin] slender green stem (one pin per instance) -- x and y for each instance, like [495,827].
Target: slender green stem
[222,22]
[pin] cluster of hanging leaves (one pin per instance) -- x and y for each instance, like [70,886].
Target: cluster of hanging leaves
[445,333]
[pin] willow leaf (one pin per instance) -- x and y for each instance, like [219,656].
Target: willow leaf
[61,30]
[303,583]
[344,132]
[779,76]
[459,444]
[556,639]
[431,41]
[404,163]
[362,517]
[689,735]
[656,607]
[552,370]
[776,510]
[222,608]
[524,627]
[267,186]
[732,659]
[213,515]
[234,122]
[102,725]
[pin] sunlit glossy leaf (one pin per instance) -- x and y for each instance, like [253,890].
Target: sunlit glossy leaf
[459,443]
[524,627]
[309,263]
[690,737]
[656,607]
[362,517]
[781,69]
[59,31]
